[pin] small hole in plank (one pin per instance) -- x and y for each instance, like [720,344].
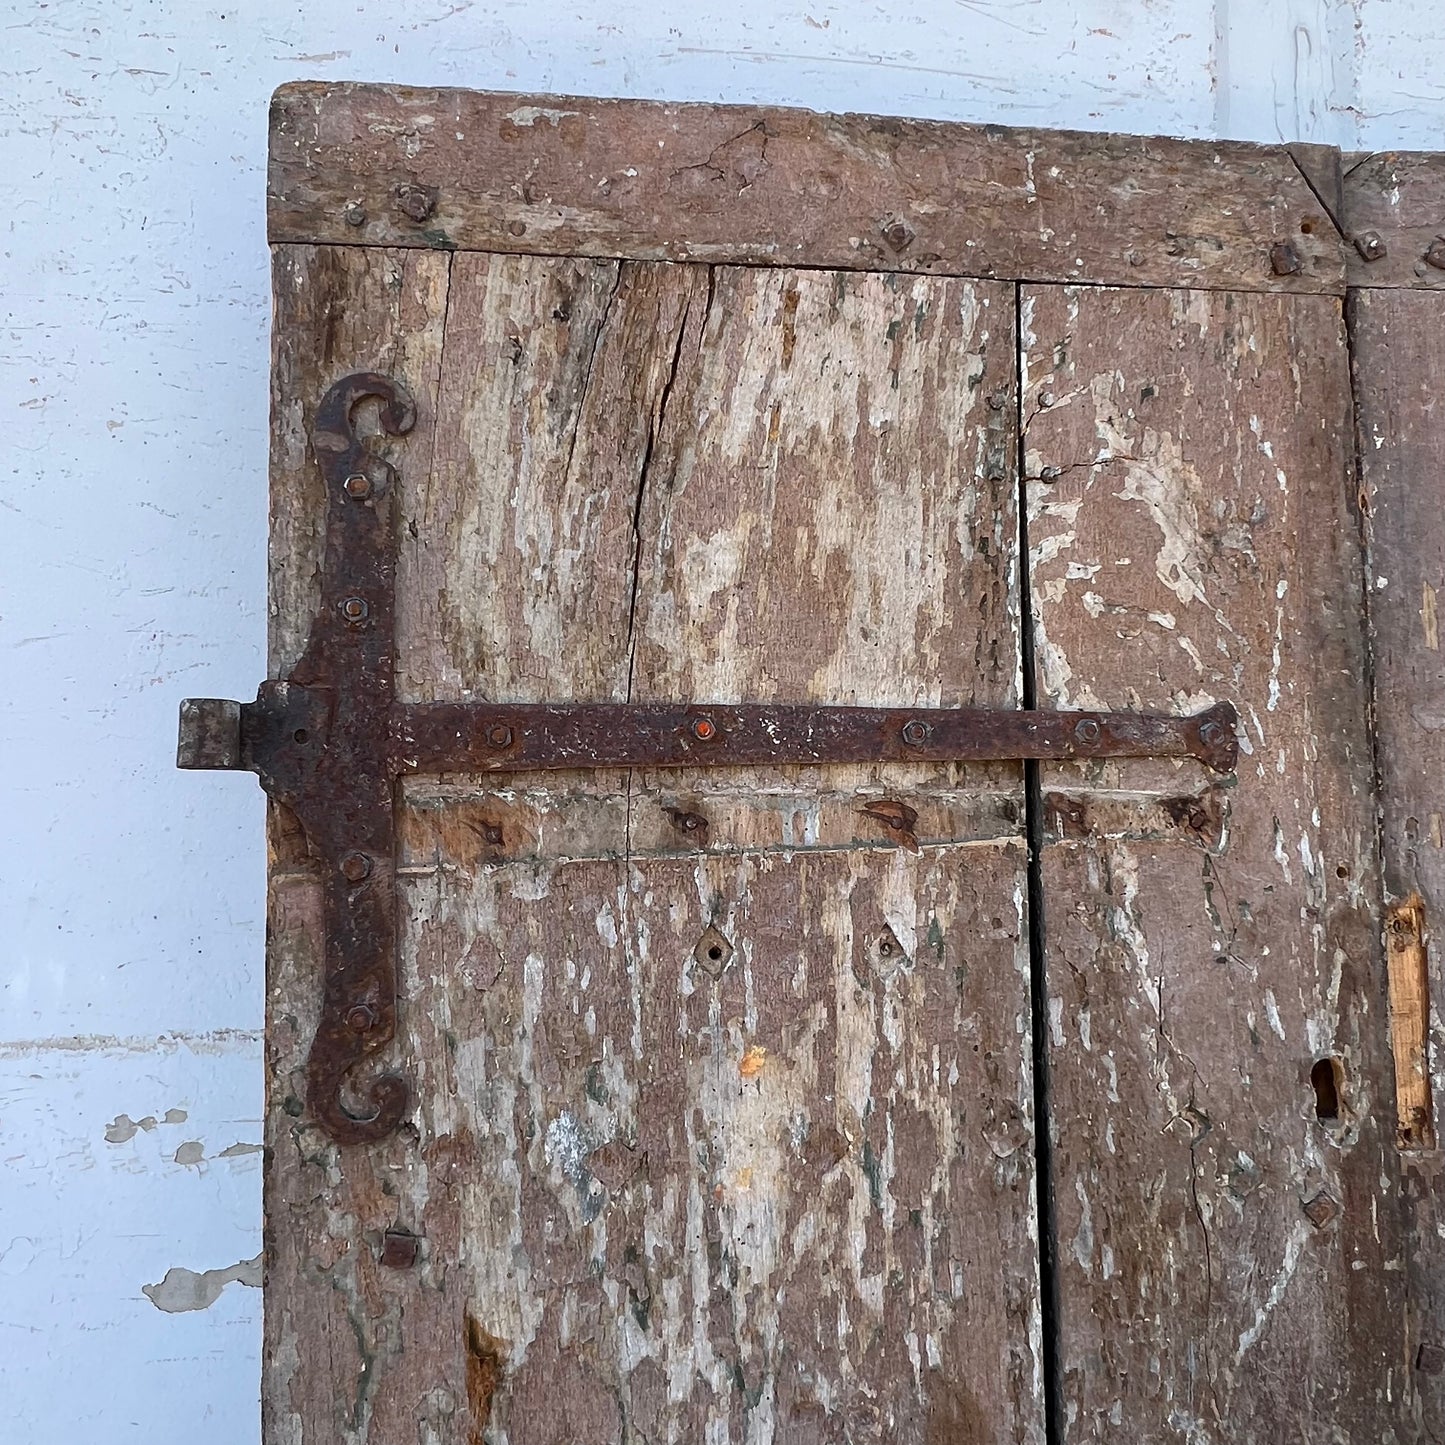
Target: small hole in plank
[300,735]
[1342,871]
[714,952]
[1327,1077]
[1308,227]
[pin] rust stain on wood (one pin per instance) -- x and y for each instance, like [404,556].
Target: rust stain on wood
[1410,1023]
[486,1364]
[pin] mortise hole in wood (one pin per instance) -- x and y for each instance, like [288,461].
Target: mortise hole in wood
[1327,1077]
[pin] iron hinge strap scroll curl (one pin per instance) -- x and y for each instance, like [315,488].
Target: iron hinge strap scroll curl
[331,741]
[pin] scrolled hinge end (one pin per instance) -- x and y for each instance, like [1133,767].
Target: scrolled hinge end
[390,1097]
[209,739]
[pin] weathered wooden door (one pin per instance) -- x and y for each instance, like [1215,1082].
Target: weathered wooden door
[727,1085]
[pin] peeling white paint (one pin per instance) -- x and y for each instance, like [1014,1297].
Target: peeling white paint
[184,1289]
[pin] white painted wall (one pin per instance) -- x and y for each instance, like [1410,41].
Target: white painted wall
[132,546]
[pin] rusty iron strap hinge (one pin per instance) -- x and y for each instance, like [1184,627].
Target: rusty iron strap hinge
[330,741]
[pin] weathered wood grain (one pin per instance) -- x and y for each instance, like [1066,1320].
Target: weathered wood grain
[1398,342]
[1398,196]
[469,170]
[1227,1185]
[722,1137]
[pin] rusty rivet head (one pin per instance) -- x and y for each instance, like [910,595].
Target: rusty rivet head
[417,202]
[354,609]
[704,729]
[358,485]
[916,733]
[355,867]
[1435,256]
[359,1018]
[1284,259]
[1211,734]
[354,214]
[516,228]
[898,234]
[1087,731]
[1370,245]
[399,1249]
[1046,399]
[499,735]
[1320,1209]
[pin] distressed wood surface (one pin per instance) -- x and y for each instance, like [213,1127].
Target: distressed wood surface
[721,1134]
[475,170]
[1398,196]
[1399,354]
[1227,1186]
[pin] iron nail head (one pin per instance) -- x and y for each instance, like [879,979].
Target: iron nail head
[355,867]
[1370,245]
[417,202]
[358,485]
[499,735]
[1321,1209]
[354,609]
[1435,256]
[1284,260]
[399,1249]
[898,234]
[1211,734]
[359,1018]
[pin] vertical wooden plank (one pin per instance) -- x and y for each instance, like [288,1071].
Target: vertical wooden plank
[1398,340]
[332,1312]
[1227,1189]
[830,515]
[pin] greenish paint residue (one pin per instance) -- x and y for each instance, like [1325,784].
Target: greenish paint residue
[935,937]
[595,1087]
[874,1172]
[439,240]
